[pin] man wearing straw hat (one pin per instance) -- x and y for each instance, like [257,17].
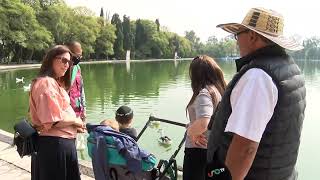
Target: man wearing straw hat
[255,132]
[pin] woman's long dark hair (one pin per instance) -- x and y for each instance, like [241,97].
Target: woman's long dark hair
[47,63]
[205,72]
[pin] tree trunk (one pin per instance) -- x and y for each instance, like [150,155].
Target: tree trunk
[29,57]
[15,54]
[20,55]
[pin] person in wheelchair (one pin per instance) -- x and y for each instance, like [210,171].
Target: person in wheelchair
[114,125]
[124,116]
[116,155]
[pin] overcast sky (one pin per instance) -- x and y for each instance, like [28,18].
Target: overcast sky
[202,16]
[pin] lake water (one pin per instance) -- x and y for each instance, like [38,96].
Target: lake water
[161,89]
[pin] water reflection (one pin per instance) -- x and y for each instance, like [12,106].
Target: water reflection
[128,66]
[160,88]
[309,68]
[113,82]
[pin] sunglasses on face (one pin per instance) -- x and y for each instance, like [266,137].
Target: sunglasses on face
[76,58]
[64,60]
[238,33]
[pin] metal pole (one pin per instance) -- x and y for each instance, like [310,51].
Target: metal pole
[152,118]
[172,158]
[144,128]
[167,121]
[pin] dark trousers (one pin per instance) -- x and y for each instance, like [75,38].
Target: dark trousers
[194,164]
[56,160]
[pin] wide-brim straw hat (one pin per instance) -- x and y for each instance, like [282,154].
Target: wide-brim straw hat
[267,23]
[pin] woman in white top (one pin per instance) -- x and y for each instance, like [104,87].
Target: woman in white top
[208,85]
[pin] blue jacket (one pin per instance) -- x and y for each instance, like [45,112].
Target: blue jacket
[126,146]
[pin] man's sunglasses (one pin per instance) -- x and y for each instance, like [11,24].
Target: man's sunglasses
[76,58]
[198,57]
[238,33]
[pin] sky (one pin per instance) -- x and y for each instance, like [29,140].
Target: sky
[202,16]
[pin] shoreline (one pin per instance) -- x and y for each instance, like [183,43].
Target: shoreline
[4,67]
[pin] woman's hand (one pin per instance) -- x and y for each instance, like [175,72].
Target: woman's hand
[79,123]
[198,127]
[200,140]
[38,128]
[81,130]
[83,116]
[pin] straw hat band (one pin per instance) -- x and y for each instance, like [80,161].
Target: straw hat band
[267,23]
[264,22]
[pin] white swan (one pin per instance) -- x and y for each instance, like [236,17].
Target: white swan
[27,88]
[20,80]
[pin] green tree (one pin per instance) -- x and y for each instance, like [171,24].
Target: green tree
[150,43]
[118,44]
[84,11]
[158,25]
[146,35]
[311,48]
[47,3]
[161,48]
[185,48]
[101,13]
[127,34]
[56,18]
[35,4]
[139,34]
[195,41]
[20,31]
[104,42]
[84,29]
[225,47]
[212,40]
[175,43]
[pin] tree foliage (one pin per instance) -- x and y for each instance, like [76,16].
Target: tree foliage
[104,42]
[20,32]
[29,27]
[118,44]
[127,34]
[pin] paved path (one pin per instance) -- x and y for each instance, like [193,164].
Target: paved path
[10,172]
[12,167]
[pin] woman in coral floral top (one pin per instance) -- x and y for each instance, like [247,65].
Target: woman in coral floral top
[55,119]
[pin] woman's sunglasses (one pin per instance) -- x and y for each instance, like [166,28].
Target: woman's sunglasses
[64,60]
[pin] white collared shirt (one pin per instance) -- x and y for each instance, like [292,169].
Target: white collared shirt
[253,100]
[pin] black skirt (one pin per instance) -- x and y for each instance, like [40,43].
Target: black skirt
[56,159]
[194,164]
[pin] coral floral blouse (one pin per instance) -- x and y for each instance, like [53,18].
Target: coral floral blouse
[49,103]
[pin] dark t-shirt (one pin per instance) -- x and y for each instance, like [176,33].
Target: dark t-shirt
[132,132]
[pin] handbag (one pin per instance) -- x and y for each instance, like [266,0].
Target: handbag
[25,138]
